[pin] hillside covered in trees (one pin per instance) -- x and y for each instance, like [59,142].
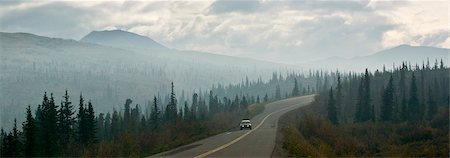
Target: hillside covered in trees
[399,112]
[73,128]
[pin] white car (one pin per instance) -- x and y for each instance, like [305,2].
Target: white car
[245,123]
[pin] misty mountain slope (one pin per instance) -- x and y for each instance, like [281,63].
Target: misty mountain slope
[147,46]
[119,38]
[32,64]
[412,54]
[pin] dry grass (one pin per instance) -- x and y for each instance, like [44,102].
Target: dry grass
[311,135]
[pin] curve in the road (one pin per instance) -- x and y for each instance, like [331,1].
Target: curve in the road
[240,137]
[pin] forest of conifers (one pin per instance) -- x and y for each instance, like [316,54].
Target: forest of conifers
[399,112]
[403,98]
[72,128]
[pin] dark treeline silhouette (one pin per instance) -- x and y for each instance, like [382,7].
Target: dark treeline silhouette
[398,112]
[67,130]
[404,94]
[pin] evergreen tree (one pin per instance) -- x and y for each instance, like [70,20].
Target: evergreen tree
[28,129]
[332,115]
[212,104]
[3,143]
[186,111]
[402,89]
[171,109]
[266,98]
[91,124]
[66,122]
[194,106]
[364,106]
[50,127]
[278,92]
[154,115]
[107,131]
[15,144]
[295,91]
[339,97]
[83,136]
[359,103]
[127,113]
[244,102]
[40,135]
[100,126]
[388,102]
[432,106]
[115,124]
[413,103]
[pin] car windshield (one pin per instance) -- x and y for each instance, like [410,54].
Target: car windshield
[245,121]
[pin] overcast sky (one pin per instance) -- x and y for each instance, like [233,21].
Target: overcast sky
[280,31]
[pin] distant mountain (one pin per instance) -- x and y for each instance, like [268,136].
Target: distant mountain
[121,39]
[389,57]
[107,75]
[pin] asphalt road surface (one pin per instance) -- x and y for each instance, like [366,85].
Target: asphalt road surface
[258,142]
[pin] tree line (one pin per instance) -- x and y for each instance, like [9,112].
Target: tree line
[53,130]
[401,112]
[404,94]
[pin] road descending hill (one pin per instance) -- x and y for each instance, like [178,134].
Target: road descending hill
[258,142]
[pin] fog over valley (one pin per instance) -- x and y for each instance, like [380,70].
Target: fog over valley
[224,78]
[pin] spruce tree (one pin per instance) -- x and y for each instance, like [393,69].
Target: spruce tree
[100,126]
[171,109]
[40,135]
[15,144]
[365,109]
[194,106]
[28,129]
[66,122]
[244,102]
[402,89]
[50,127]
[359,103]
[91,129]
[339,97]
[127,114]
[413,103]
[212,104]
[154,115]
[277,92]
[295,91]
[107,131]
[388,102]
[266,98]
[432,106]
[82,129]
[115,124]
[3,143]
[186,111]
[332,115]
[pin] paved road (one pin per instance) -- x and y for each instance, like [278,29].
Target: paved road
[258,142]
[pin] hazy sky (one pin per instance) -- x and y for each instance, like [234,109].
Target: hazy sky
[282,31]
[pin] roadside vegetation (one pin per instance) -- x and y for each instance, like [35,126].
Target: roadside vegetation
[403,112]
[70,127]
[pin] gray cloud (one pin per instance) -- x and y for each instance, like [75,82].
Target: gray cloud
[284,31]
[55,19]
[329,6]
[228,6]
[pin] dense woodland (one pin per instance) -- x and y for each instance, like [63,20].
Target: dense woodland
[400,98]
[70,130]
[399,112]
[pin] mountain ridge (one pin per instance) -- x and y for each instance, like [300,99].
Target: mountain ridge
[121,38]
[394,55]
